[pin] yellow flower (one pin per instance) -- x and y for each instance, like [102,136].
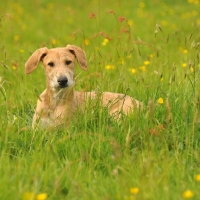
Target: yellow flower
[151,55]
[141,4]
[105,41]
[130,22]
[164,23]
[146,62]
[21,51]
[53,41]
[42,196]
[128,56]
[188,194]
[108,67]
[133,71]
[122,61]
[197,177]
[14,67]
[191,69]
[160,100]
[184,65]
[185,51]
[161,79]
[134,190]
[16,38]
[86,42]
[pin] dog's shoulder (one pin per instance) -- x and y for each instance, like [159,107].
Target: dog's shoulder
[41,101]
[42,96]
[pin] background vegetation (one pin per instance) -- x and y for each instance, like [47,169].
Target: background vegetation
[147,49]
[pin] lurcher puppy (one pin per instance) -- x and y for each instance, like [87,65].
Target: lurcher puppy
[59,101]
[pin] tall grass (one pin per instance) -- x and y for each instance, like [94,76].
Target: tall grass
[147,49]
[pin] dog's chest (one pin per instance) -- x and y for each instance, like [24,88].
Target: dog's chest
[59,114]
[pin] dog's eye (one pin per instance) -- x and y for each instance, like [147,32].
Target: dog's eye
[51,64]
[68,62]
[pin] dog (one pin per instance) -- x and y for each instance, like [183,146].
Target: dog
[59,102]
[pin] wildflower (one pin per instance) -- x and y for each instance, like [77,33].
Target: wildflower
[16,38]
[122,61]
[151,55]
[53,41]
[133,71]
[92,15]
[142,68]
[146,62]
[164,23]
[86,42]
[42,196]
[188,194]
[14,66]
[130,22]
[128,56]
[141,4]
[184,65]
[161,79]
[108,67]
[191,69]
[160,100]
[134,190]
[105,41]
[121,19]
[21,51]
[185,51]
[197,177]
[111,11]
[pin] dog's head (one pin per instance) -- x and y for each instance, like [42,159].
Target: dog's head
[58,64]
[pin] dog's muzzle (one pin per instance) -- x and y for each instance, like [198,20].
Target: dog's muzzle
[62,81]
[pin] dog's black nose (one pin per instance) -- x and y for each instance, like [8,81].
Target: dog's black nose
[62,81]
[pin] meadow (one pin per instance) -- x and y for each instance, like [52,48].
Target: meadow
[149,50]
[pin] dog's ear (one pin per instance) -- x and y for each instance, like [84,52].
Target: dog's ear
[79,54]
[34,59]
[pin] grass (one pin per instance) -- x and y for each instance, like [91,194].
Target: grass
[147,49]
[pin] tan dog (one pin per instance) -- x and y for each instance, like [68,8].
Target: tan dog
[59,101]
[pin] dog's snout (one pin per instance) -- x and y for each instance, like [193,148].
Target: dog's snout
[62,81]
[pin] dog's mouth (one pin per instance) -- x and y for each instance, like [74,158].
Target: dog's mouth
[62,86]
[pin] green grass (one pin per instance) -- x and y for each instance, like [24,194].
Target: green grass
[156,151]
